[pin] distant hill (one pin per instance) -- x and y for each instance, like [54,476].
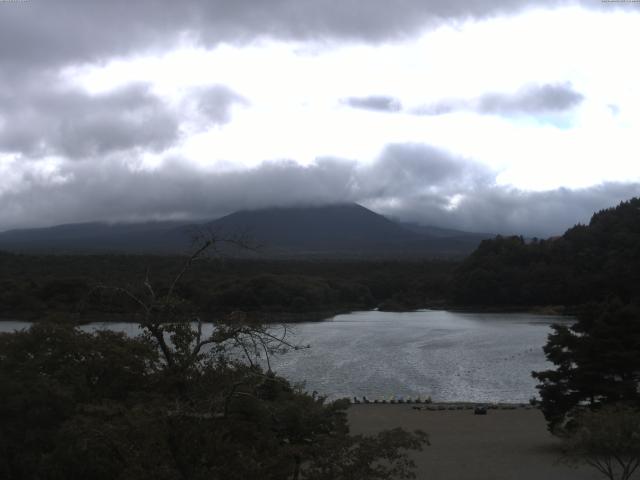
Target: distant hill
[97,237]
[348,230]
[449,233]
[591,262]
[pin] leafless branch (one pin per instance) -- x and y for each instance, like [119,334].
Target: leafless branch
[147,284]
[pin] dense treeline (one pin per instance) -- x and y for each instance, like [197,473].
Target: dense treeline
[32,286]
[591,262]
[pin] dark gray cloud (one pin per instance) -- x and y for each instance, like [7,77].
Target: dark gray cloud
[50,33]
[74,124]
[529,100]
[380,103]
[408,181]
[60,120]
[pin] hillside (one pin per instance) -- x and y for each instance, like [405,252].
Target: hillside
[329,231]
[591,262]
[96,237]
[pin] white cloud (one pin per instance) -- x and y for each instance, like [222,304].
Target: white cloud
[294,94]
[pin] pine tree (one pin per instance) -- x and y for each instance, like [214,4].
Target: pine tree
[597,362]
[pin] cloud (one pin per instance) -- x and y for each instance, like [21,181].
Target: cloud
[509,211]
[215,102]
[415,169]
[62,121]
[70,32]
[108,190]
[411,182]
[529,100]
[380,103]
[77,125]
[443,107]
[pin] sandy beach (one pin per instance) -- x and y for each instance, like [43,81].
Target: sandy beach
[502,445]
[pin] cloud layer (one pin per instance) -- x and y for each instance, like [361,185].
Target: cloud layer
[67,31]
[408,181]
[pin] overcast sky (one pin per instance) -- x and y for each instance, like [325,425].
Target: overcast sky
[502,116]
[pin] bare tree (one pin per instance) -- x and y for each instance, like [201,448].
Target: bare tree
[177,329]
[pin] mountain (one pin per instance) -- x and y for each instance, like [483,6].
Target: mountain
[312,229]
[345,230]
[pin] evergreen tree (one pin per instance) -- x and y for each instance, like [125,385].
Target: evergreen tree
[597,362]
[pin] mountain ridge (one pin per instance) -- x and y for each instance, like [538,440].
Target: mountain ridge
[349,230]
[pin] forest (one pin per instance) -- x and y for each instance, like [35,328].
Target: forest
[593,262]
[33,286]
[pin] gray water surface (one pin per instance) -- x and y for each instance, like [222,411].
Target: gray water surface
[447,355]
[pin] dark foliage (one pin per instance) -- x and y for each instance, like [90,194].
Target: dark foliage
[607,440]
[174,403]
[33,286]
[597,362]
[587,263]
[75,405]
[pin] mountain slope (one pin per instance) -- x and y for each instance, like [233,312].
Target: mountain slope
[96,237]
[340,230]
[317,228]
[324,231]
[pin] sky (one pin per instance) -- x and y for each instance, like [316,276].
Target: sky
[501,116]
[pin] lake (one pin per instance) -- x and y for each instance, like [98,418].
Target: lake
[449,356]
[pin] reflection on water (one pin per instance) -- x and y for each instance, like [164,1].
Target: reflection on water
[449,356]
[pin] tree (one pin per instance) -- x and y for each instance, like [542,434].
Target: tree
[587,263]
[49,375]
[607,439]
[597,362]
[176,402]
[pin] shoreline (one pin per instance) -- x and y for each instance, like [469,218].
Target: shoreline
[288,317]
[130,317]
[551,310]
[445,406]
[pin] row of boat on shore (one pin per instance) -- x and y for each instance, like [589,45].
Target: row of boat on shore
[428,404]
